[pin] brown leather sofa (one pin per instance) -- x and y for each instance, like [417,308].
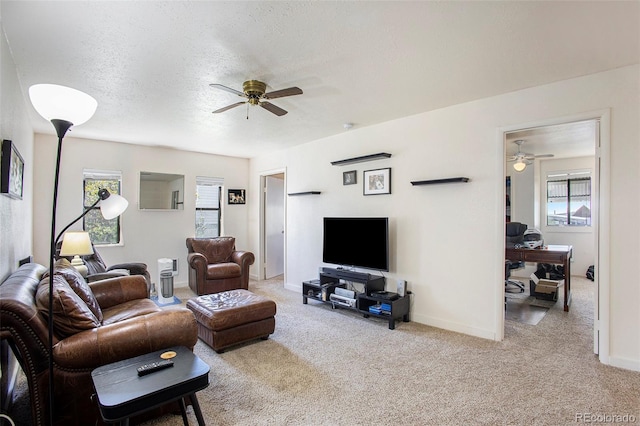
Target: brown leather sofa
[215,265]
[130,325]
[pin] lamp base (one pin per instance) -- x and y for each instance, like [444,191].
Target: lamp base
[77,263]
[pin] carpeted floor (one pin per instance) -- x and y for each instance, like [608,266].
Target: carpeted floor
[335,367]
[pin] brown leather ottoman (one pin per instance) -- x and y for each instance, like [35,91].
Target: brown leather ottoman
[231,317]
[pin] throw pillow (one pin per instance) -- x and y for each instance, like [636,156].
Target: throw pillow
[216,250]
[77,282]
[70,314]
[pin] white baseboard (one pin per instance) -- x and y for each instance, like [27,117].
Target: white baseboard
[452,326]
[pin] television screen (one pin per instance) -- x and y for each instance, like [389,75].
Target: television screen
[356,241]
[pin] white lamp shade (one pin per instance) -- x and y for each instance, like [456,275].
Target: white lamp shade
[113,206]
[63,103]
[519,166]
[76,243]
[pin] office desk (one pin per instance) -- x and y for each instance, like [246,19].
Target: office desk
[559,255]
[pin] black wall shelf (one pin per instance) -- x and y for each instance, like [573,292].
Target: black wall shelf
[436,181]
[364,158]
[304,193]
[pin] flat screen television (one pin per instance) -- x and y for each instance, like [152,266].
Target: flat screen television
[356,241]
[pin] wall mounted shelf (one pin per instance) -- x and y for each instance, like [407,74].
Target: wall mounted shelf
[436,181]
[361,159]
[304,193]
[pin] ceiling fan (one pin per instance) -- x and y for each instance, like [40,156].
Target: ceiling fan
[254,91]
[523,159]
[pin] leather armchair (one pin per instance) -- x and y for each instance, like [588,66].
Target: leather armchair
[215,265]
[130,325]
[98,269]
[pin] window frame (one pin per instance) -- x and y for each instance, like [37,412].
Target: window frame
[215,182]
[568,177]
[98,175]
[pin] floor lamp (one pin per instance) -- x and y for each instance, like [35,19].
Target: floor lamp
[63,107]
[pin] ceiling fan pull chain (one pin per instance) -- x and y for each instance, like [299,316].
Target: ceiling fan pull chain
[247,110]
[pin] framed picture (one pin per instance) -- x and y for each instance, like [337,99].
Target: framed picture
[11,171]
[236,196]
[377,181]
[349,178]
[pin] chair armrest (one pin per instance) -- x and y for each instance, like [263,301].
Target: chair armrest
[126,339]
[198,262]
[115,291]
[243,258]
[105,275]
[134,268]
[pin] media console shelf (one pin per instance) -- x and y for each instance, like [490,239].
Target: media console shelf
[330,279]
[361,159]
[436,181]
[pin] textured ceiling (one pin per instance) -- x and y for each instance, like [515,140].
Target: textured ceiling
[149,64]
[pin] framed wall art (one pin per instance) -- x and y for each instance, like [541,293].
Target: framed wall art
[236,196]
[349,178]
[377,181]
[11,170]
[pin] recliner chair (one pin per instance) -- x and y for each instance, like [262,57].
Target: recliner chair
[514,234]
[98,269]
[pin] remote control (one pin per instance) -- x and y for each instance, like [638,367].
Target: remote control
[154,366]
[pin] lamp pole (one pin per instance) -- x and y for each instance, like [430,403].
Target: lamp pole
[61,127]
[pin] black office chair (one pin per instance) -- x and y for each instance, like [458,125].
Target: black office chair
[514,237]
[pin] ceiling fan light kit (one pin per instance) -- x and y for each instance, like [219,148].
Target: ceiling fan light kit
[255,92]
[522,159]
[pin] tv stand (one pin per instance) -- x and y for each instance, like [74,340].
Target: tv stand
[332,278]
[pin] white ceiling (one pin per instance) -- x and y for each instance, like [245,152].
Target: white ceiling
[149,64]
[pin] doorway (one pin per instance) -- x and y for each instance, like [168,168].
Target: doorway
[560,137]
[273,224]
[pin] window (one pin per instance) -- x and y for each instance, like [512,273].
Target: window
[208,214]
[569,199]
[101,231]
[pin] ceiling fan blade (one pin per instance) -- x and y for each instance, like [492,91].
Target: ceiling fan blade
[228,107]
[544,156]
[273,109]
[227,89]
[282,93]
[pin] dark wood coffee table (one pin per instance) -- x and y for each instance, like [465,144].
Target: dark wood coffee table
[122,393]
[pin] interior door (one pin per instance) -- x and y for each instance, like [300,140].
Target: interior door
[274,226]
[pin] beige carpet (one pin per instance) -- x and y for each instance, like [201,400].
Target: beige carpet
[334,367]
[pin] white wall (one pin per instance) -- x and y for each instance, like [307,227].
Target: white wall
[15,215]
[447,240]
[147,235]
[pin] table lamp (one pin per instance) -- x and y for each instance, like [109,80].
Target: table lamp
[76,244]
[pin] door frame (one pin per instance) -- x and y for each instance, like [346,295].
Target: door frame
[263,230]
[602,171]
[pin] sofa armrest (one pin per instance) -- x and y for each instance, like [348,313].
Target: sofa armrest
[126,339]
[114,291]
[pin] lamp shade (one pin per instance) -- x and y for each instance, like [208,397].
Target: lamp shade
[519,165]
[113,206]
[76,243]
[63,103]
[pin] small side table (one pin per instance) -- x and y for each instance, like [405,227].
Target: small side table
[122,393]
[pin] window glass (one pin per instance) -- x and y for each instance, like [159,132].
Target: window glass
[569,199]
[101,231]
[208,213]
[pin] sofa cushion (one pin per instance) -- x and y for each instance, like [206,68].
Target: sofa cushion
[216,250]
[129,309]
[70,314]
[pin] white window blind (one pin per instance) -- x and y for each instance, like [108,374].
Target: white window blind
[208,213]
